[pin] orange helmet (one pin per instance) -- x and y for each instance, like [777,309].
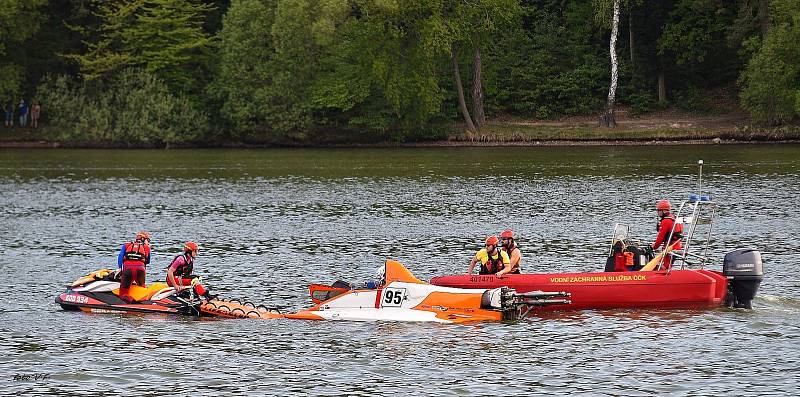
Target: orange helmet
[142,236]
[190,246]
[663,205]
[492,240]
[507,234]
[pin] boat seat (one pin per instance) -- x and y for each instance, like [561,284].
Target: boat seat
[141,293]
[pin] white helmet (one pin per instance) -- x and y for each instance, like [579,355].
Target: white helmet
[380,274]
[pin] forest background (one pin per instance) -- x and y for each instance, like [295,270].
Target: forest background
[150,73]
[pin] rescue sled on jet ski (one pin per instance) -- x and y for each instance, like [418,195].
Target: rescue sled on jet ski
[399,296]
[98,292]
[687,284]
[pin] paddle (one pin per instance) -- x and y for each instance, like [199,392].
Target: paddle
[654,262]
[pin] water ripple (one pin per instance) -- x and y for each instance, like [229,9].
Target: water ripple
[271,222]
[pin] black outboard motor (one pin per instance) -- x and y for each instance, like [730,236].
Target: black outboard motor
[744,271]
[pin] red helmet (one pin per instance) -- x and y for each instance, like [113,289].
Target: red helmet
[663,205]
[190,246]
[492,240]
[507,234]
[142,236]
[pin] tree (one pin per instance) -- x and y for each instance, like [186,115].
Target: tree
[165,37]
[474,24]
[607,119]
[771,81]
[462,104]
[134,108]
[243,71]
[19,20]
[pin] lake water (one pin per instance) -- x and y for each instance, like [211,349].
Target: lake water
[270,222]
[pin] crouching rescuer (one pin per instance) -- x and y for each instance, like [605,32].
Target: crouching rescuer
[133,259]
[179,272]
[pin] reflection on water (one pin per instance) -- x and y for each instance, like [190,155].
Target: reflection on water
[272,221]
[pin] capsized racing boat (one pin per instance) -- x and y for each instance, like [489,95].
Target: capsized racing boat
[687,284]
[399,296]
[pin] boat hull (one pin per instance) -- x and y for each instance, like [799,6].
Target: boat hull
[110,303]
[611,290]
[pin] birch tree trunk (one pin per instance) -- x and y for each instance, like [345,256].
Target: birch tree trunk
[460,90]
[607,119]
[477,92]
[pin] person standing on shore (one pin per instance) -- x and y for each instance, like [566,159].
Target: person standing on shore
[36,111]
[23,113]
[8,109]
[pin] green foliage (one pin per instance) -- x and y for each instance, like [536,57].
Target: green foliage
[135,108]
[771,81]
[362,65]
[255,93]
[316,70]
[19,20]
[641,102]
[693,100]
[165,37]
[695,30]
[546,66]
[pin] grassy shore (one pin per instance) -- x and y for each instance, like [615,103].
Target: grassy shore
[504,133]
[668,126]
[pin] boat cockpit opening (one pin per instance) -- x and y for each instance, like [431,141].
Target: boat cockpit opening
[692,227]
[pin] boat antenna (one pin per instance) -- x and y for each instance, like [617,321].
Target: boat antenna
[700,181]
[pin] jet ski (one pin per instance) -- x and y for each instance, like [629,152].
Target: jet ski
[98,292]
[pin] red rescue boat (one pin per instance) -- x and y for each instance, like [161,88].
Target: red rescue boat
[685,285]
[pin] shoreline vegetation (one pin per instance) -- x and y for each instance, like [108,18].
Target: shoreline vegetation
[300,73]
[667,127]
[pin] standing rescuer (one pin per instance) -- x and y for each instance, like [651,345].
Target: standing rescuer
[133,259]
[493,260]
[664,227]
[179,272]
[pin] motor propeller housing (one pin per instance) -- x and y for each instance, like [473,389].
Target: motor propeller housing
[516,304]
[744,270]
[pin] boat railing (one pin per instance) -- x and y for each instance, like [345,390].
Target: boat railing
[696,216]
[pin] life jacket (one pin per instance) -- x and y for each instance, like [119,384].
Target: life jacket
[492,265]
[623,261]
[186,268]
[516,247]
[677,230]
[136,254]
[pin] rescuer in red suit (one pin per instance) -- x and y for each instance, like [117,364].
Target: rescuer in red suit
[133,259]
[664,227]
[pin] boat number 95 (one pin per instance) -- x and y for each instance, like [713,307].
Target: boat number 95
[393,296]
